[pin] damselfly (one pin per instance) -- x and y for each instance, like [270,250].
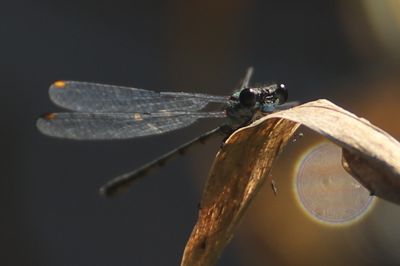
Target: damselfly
[114,112]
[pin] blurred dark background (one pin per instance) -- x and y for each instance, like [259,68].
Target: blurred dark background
[345,51]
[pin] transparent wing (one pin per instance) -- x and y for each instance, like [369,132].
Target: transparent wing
[247,77]
[96,126]
[94,97]
[245,81]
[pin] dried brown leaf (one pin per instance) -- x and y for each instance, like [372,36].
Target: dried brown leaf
[240,167]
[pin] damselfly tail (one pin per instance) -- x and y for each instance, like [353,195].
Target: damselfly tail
[122,182]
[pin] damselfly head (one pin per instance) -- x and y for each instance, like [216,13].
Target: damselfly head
[275,93]
[248,97]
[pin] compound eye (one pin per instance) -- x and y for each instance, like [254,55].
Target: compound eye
[247,97]
[282,93]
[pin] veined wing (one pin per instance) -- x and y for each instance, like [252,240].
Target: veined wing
[101,98]
[246,80]
[96,126]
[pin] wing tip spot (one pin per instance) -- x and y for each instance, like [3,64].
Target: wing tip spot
[137,117]
[60,84]
[49,116]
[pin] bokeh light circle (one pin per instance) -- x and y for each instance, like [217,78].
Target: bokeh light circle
[326,191]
